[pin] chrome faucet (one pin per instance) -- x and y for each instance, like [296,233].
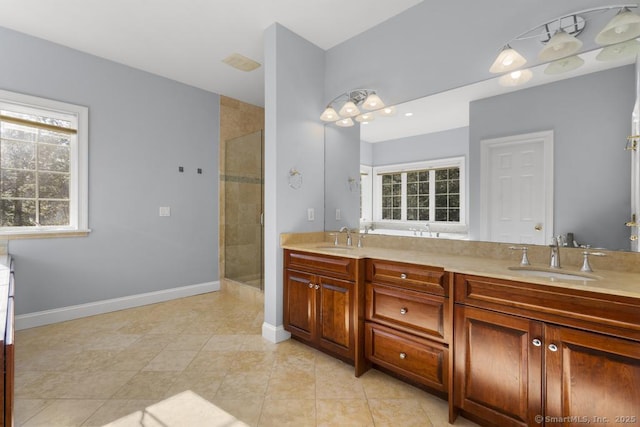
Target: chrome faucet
[554,260]
[427,228]
[349,241]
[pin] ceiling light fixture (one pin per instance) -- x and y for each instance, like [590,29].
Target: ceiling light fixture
[559,37]
[350,104]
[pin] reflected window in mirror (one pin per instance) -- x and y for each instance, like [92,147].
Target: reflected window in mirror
[419,193]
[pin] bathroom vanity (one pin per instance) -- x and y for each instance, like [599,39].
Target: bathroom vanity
[504,348]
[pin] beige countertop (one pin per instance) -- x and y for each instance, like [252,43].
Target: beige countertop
[612,282]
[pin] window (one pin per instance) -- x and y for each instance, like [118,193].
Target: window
[43,165]
[421,192]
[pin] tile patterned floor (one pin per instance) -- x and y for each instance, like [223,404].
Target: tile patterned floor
[199,361]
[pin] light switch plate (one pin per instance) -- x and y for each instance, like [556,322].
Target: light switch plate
[338,215]
[164,211]
[311,214]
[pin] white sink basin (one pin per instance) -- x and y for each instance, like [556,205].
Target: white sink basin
[552,274]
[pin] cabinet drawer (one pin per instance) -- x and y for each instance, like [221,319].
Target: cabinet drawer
[410,276]
[418,359]
[415,312]
[605,313]
[342,268]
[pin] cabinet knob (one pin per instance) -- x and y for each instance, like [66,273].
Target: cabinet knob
[536,342]
[403,311]
[317,286]
[310,285]
[553,347]
[403,355]
[403,276]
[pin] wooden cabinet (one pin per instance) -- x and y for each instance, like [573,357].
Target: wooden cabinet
[407,327]
[524,357]
[321,308]
[7,350]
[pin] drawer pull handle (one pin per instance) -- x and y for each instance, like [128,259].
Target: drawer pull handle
[310,285]
[403,276]
[403,355]
[403,311]
[553,347]
[536,342]
[317,287]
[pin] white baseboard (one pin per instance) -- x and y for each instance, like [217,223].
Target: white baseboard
[46,317]
[274,334]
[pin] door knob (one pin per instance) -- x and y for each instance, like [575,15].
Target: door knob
[317,286]
[403,355]
[403,276]
[537,227]
[536,342]
[553,347]
[310,285]
[403,310]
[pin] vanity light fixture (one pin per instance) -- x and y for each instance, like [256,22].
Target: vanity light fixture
[515,78]
[350,104]
[559,37]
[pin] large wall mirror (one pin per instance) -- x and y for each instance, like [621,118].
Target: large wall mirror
[385,177]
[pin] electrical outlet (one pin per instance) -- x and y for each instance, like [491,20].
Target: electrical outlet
[338,215]
[311,214]
[164,211]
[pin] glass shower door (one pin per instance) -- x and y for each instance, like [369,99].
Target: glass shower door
[244,194]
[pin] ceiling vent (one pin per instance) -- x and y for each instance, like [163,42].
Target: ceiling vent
[241,62]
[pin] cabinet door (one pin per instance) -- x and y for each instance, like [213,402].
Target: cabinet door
[335,322]
[591,378]
[299,304]
[498,366]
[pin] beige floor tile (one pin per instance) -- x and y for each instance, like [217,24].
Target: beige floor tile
[343,412]
[171,360]
[110,341]
[75,385]
[243,386]
[189,342]
[27,408]
[378,385]
[398,412]
[93,360]
[278,413]
[252,361]
[292,384]
[147,385]
[212,361]
[64,413]
[132,359]
[225,343]
[246,410]
[115,409]
[204,383]
[46,360]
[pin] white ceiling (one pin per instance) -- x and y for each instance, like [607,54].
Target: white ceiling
[186,40]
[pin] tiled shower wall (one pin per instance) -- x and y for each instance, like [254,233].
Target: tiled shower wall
[241,184]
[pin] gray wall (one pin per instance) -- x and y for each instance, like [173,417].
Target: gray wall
[294,137]
[437,145]
[591,118]
[436,46]
[141,128]
[342,160]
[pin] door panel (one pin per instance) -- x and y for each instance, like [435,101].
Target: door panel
[497,368]
[336,301]
[591,377]
[299,300]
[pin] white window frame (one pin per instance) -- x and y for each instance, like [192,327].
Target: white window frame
[451,162]
[366,188]
[79,159]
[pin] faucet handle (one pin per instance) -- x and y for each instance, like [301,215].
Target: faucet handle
[524,249]
[335,238]
[586,267]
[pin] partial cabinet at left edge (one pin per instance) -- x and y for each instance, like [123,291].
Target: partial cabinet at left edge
[7,356]
[321,303]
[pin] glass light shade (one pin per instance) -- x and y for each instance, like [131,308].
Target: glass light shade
[365,117]
[564,65]
[349,109]
[624,26]
[329,115]
[561,45]
[618,51]
[373,102]
[508,60]
[345,123]
[387,111]
[516,78]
